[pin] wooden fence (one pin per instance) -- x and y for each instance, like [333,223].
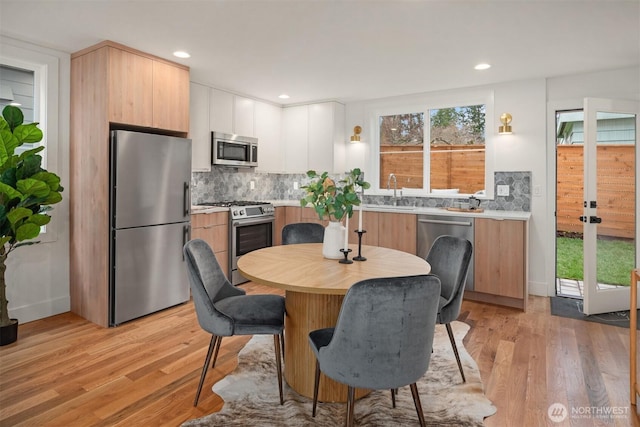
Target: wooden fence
[452,166]
[616,189]
[463,167]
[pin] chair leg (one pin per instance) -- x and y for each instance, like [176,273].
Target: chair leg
[316,383]
[214,343]
[416,401]
[215,355]
[351,394]
[455,350]
[276,344]
[282,346]
[393,397]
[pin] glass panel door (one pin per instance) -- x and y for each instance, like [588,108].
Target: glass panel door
[609,214]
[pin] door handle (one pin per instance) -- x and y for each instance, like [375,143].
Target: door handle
[595,220]
[186,236]
[186,196]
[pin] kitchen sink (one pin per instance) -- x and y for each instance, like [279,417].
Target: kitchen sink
[390,207]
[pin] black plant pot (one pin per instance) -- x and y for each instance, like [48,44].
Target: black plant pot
[9,334]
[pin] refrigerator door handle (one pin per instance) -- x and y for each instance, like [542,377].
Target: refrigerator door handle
[186,236]
[186,199]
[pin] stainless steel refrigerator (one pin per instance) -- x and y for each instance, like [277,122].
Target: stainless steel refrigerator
[150,205]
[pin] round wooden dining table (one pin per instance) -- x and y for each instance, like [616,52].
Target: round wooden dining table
[314,288]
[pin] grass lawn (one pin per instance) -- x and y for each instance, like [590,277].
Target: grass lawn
[615,258]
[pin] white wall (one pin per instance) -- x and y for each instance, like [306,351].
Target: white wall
[527,149]
[37,276]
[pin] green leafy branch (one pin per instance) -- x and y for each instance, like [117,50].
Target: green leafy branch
[26,189]
[330,200]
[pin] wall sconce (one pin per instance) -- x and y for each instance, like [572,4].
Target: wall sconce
[356,134]
[505,129]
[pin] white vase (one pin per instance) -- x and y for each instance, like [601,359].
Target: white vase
[333,240]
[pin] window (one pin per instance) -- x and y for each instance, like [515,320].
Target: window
[452,162]
[17,88]
[21,63]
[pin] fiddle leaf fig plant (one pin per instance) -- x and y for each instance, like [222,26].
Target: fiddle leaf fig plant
[330,200]
[27,191]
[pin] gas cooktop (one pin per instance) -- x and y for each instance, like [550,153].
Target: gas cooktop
[234,203]
[243,209]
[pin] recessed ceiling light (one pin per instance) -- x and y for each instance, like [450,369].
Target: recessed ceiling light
[181,54]
[482,66]
[283,96]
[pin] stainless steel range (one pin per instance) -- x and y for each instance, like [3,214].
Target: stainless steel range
[251,227]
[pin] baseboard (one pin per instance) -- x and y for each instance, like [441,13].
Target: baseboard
[40,310]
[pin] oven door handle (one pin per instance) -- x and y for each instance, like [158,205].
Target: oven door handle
[248,221]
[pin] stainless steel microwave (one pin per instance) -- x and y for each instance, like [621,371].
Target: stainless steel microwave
[234,150]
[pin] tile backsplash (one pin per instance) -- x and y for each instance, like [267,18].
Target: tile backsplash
[226,184]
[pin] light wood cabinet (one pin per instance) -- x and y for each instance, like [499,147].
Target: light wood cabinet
[111,85]
[500,251]
[129,80]
[386,229]
[280,222]
[213,228]
[397,231]
[170,96]
[141,90]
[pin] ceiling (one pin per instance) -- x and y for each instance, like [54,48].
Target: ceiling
[346,50]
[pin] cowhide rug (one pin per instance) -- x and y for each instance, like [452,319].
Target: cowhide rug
[250,394]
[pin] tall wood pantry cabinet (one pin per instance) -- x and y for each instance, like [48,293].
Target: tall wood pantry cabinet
[112,86]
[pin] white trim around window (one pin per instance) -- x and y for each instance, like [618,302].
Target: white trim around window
[46,70]
[423,103]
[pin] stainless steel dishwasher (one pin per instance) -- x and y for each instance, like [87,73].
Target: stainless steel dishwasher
[432,226]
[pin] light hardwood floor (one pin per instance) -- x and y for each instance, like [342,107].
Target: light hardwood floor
[65,371]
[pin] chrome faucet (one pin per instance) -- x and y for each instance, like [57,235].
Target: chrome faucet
[394,200]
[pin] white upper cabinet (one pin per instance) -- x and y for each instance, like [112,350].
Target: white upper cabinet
[244,116]
[268,130]
[326,137]
[199,130]
[295,131]
[314,137]
[290,140]
[221,111]
[232,113]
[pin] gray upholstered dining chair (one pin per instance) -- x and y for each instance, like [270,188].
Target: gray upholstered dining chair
[224,310]
[382,338]
[302,232]
[449,258]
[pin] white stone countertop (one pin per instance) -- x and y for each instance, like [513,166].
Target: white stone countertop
[492,214]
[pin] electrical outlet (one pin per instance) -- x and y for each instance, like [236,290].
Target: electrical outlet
[503,190]
[252,185]
[295,185]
